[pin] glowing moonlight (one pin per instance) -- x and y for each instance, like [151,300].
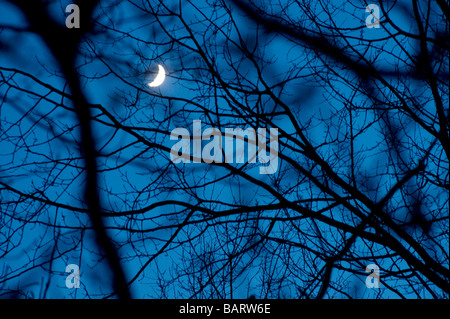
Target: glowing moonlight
[160,77]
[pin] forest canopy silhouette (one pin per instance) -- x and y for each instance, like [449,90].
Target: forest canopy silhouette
[87,170]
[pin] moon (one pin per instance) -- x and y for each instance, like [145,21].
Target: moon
[160,77]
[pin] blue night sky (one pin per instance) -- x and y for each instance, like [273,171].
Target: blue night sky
[200,230]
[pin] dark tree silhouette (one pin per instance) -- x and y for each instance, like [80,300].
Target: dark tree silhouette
[100,170]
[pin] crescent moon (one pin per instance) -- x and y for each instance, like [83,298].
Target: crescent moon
[160,77]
